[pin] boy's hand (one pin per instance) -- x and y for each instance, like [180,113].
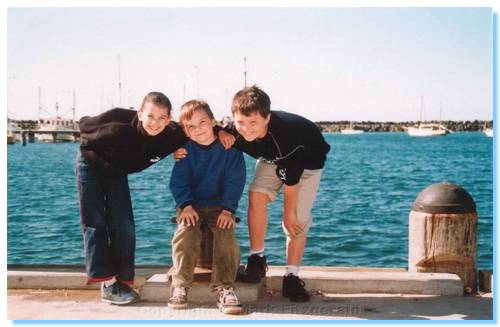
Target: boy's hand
[180,153]
[188,216]
[226,139]
[226,220]
[292,225]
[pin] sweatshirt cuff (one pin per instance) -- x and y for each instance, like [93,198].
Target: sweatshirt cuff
[228,209]
[185,204]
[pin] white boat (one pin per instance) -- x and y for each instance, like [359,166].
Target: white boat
[427,130]
[55,125]
[11,136]
[350,131]
[488,132]
[430,129]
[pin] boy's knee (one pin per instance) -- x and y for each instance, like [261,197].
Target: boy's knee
[223,232]
[260,197]
[224,236]
[303,232]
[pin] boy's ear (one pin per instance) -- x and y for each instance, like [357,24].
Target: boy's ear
[268,118]
[139,114]
[214,123]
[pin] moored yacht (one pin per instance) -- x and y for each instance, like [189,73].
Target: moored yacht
[351,130]
[488,132]
[427,130]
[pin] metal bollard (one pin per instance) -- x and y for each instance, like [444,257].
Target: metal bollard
[442,233]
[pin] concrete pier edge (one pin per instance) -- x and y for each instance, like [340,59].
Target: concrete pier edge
[343,280]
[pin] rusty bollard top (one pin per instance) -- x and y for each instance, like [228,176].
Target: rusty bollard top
[446,198]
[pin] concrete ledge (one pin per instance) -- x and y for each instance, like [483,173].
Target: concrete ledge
[157,289]
[341,280]
[65,276]
[351,282]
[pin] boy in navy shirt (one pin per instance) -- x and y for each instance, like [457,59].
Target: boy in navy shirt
[207,186]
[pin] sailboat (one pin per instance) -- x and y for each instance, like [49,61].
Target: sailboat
[11,136]
[488,132]
[429,129]
[351,130]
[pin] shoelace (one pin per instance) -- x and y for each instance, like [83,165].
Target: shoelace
[178,292]
[122,288]
[228,296]
[296,279]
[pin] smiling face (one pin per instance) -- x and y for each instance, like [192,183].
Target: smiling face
[251,127]
[200,127]
[154,119]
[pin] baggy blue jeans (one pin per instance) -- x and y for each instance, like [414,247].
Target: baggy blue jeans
[107,224]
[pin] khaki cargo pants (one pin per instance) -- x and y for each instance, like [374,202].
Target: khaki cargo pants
[186,250]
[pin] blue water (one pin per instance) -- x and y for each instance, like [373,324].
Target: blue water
[360,217]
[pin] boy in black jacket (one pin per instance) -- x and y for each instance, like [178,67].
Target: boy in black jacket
[290,152]
[114,144]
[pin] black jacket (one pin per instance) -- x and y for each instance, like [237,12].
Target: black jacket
[116,144]
[292,142]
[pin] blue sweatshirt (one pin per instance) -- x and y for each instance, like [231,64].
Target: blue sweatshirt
[208,176]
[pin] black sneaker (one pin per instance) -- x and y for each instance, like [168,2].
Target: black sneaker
[118,293]
[256,269]
[293,288]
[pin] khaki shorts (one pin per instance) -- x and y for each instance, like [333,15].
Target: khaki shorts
[265,181]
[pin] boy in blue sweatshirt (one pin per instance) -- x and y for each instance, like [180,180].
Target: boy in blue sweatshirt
[207,186]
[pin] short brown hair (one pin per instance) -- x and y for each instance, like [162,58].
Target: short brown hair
[158,99]
[251,99]
[188,109]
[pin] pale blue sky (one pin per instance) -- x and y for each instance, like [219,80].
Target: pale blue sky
[322,63]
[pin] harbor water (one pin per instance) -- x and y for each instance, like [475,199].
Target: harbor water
[360,216]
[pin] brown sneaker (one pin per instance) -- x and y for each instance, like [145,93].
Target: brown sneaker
[178,298]
[227,302]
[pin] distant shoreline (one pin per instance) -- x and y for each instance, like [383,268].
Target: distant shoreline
[367,126]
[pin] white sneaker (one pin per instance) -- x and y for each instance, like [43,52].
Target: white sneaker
[178,298]
[227,301]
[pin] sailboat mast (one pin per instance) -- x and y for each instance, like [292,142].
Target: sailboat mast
[119,83]
[102,99]
[440,111]
[39,102]
[73,110]
[421,107]
[197,68]
[245,70]
[184,89]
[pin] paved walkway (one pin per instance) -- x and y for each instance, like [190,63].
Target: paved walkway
[29,304]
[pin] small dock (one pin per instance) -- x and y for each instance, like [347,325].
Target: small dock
[28,135]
